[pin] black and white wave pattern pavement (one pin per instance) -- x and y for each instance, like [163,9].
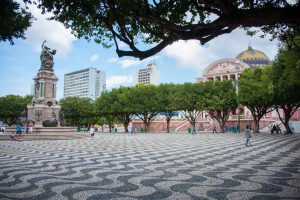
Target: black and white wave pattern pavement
[152,166]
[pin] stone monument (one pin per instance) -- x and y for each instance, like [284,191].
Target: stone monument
[44,109]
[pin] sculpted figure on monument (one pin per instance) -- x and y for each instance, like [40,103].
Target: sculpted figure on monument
[47,57]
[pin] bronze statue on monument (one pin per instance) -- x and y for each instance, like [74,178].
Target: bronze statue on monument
[47,57]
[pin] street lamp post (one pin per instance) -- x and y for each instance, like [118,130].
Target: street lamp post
[237,92]
[239,120]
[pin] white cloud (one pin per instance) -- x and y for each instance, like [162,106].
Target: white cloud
[113,81]
[94,57]
[112,60]
[192,55]
[128,63]
[189,54]
[56,35]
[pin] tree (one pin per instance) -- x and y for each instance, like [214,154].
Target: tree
[167,94]
[160,23]
[101,122]
[287,35]
[13,21]
[122,107]
[255,92]
[189,99]
[145,99]
[11,107]
[76,110]
[220,100]
[103,107]
[286,73]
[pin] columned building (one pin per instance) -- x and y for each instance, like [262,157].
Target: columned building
[223,69]
[88,82]
[148,75]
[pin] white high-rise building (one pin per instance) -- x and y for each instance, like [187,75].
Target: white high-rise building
[148,75]
[88,82]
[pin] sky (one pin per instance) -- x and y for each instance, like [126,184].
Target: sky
[180,62]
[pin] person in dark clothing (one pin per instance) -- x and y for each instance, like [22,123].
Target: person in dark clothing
[273,129]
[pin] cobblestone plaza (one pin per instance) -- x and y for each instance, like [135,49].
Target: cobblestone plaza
[152,166]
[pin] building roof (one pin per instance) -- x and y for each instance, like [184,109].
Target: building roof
[253,57]
[225,66]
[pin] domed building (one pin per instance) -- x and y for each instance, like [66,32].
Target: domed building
[254,58]
[231,69]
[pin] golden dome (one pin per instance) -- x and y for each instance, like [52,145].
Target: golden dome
[253,57]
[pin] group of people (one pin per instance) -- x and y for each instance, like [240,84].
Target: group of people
[275,128]
[25,129]
[232,129]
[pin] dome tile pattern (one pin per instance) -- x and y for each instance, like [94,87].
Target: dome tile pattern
[253,57]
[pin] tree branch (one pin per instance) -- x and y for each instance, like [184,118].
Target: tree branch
[145,54]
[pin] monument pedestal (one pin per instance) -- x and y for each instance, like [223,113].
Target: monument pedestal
[40,113]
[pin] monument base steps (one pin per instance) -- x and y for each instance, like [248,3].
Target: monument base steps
[44,133]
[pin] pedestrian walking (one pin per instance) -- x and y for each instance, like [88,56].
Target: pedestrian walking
[2,129]
[248,135]
[92,131]
[132,130]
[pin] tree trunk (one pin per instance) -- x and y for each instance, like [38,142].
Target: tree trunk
[147,126]
[126,120]
[110,127]
[222,126]
[193,123]
[126,124]
[286,125]
[168,124]
[287,116]
[256,121]
[126,128]
[288,113]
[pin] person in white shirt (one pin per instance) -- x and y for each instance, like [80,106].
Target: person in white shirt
[92,130]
